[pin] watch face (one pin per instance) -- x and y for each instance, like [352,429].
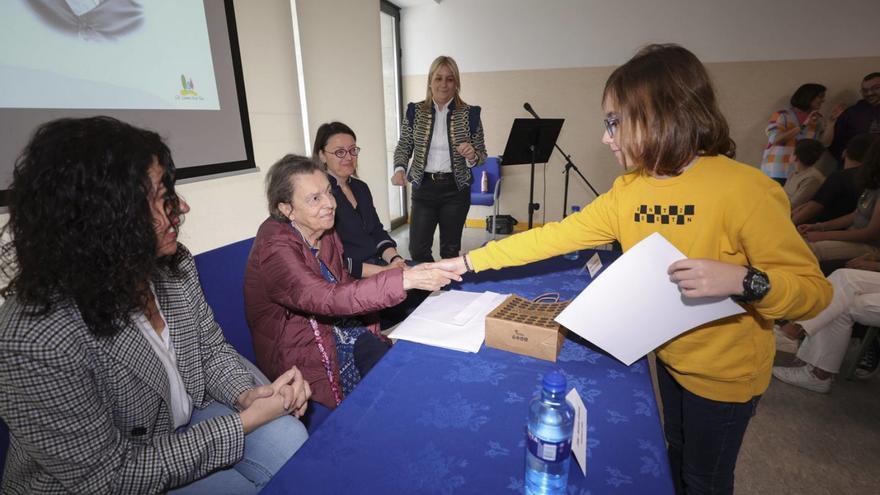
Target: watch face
[759,284]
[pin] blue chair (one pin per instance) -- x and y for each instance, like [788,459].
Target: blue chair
[492,166]
[221,272]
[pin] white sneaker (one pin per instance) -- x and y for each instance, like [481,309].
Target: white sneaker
[801,376]
[784,343]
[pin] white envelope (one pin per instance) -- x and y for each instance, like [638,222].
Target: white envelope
[450,319]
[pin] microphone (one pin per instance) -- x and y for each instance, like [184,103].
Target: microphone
[528,108]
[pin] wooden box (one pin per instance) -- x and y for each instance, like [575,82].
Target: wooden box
[525,327]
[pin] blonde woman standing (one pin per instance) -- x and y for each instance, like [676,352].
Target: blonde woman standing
[437,160]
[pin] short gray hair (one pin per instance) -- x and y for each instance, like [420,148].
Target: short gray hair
[279,187]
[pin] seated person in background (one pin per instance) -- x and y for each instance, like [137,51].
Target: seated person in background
[841,190]
[861,118]
[801,120]
[368,249]
[856,299]
[115,376]
[858,232]
[304,309]
[806,179]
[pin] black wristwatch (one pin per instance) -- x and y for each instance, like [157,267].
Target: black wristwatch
[756,285]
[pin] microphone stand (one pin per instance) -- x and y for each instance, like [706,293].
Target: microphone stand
[569,165]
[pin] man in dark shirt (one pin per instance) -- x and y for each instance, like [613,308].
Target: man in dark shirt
[861,118]
[841,190]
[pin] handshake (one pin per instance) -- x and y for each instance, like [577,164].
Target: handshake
[433,276]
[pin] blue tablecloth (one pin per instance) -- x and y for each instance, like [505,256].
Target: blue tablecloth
[430,420]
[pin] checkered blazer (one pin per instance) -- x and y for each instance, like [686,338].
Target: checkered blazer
[92,415]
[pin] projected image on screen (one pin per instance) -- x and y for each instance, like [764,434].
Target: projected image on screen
[108,54]
[172,66]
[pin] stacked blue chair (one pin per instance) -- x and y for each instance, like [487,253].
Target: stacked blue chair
[492,167]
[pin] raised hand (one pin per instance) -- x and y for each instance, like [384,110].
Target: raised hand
[467,150]
[707,278]
[836,111]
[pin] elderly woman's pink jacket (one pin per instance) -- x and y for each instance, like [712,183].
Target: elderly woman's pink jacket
[284,290]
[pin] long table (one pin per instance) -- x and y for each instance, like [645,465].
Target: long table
[430,420]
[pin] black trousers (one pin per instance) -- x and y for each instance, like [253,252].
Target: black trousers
[437,202]
[703,437]
[368,350]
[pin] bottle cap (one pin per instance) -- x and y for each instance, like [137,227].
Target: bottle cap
[575,208]
[554,381]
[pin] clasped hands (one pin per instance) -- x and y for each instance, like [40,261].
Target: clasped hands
[812,232]
[288,394]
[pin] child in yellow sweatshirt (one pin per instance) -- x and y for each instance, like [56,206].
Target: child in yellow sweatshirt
[731,221]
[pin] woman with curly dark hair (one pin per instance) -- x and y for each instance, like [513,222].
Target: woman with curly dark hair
[114,375]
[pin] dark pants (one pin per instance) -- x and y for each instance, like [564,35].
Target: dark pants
[437,201]
[368,350]
[703,437]
[389,317]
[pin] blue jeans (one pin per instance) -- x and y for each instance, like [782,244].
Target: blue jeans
[703,437]
[266,450]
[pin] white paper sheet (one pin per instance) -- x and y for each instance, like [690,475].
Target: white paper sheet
[633,307]
[450,319]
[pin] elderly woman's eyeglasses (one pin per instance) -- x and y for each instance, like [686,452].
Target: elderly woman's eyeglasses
[611,124]
[341,152]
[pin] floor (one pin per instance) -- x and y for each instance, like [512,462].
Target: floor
[800,442]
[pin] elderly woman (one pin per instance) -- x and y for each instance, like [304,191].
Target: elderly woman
[444,137]
[115,376]
[303,307]
[801,120]
[664,127]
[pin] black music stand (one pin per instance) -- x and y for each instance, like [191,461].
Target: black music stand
[531,141]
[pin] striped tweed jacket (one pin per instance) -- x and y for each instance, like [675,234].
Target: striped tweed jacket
[92,415]
[463,125]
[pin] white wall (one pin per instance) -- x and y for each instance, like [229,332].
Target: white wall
[230,209]
[557,54]
[493,35]
[342,68]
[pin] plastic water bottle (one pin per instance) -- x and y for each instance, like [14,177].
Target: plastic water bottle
[548,440]
[574,254]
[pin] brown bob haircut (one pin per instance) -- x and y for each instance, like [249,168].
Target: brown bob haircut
[667,111]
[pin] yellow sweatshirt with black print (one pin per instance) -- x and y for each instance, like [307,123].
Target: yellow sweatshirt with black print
[717,209]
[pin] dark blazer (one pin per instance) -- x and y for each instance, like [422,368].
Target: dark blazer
[362,233]
[463,124]
[284,290]
[91,415]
